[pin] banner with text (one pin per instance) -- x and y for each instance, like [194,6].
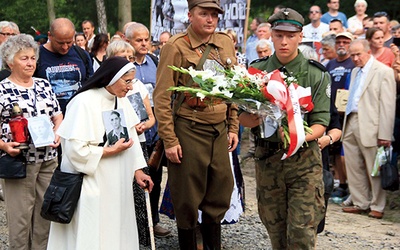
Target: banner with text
[172,16]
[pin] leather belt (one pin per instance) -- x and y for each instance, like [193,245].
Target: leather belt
[198,103]
[269,144]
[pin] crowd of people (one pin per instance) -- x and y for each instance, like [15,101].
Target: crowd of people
[86,83]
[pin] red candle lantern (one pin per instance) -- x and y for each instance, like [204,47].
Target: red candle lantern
[19,127]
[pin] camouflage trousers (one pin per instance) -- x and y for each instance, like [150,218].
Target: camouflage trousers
[290,196]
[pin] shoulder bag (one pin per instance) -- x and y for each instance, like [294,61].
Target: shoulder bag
[61,197]
[389,175]
[12,167]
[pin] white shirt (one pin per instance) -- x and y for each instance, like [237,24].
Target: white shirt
[310,33]
[364,73]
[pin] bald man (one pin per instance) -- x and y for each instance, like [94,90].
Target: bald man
[64,65]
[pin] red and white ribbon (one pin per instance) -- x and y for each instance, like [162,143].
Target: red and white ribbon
[292,98]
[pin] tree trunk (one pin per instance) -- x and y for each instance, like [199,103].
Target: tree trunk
[124,13]
[101,16]
[50,10]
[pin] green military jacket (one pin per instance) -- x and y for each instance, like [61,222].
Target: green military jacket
[313,76]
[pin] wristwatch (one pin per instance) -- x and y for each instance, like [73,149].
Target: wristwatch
[330,139]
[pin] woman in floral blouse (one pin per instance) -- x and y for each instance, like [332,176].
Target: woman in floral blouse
[24,197]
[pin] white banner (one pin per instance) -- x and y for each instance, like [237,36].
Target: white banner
[171,15]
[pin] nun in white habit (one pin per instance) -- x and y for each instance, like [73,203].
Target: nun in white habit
[105,216]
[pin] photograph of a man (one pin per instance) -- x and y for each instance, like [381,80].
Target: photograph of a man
[117,130]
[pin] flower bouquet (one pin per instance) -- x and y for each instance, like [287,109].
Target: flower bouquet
[274,96]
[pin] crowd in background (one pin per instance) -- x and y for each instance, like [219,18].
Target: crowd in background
[329,38]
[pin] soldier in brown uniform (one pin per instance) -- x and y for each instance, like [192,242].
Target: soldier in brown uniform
[199,135]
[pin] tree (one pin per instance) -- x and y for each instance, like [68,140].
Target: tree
[101,16]
[50,10]
[124,13]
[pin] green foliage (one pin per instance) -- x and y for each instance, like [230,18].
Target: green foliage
[27,13]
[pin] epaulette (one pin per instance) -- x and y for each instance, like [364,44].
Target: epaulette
[317,64]
[265,58]
[177,36]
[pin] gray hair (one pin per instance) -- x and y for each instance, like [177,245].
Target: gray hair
[264,25]
[363,42]
[134,27]
[118,46]
[308,52]
[362,2]
[11,25]
[15,44]
[263,43]
[329,40]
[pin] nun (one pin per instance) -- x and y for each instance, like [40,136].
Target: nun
[105,216]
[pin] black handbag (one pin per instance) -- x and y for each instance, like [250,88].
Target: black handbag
[61,197]
[389,176]
[12,167]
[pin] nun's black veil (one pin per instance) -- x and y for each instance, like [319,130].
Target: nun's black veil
[104,74]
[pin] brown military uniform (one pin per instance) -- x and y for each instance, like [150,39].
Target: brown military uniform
[203,180]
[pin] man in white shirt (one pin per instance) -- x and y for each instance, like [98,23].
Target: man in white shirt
[88,30]
[314,30]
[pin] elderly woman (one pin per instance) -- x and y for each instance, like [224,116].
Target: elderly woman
[328,48]
[105,214]
[140,93]
[375,37]
[24,197]
[355,22]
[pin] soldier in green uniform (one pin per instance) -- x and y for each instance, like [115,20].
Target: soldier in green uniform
[290,192]
[197,134]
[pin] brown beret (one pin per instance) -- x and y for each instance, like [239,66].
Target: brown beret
[215,4]
[287,19]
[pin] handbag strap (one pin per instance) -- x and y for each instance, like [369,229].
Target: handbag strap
[190,82]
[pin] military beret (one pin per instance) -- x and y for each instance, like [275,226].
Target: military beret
[287,19]
[215,4]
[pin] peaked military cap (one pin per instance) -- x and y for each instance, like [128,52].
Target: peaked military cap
[287,19]
[206,4]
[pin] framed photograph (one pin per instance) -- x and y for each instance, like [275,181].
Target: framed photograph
[115,124]
[41,131]
[137,103]
[342,96]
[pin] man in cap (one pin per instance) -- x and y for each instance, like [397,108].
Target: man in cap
[340,69]
[197,133]
[290,191]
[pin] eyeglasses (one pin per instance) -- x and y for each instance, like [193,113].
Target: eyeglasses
[129,81]
[7,34]
[381,14]
[314,12]
[342,42]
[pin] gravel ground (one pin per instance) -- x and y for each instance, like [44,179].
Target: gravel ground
[342,231]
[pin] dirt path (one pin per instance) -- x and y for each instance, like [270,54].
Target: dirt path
[342,231]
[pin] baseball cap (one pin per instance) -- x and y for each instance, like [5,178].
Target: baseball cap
[345,34]
[287,19]
[215,4]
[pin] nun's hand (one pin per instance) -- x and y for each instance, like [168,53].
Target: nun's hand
[143,180]
[118,147]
